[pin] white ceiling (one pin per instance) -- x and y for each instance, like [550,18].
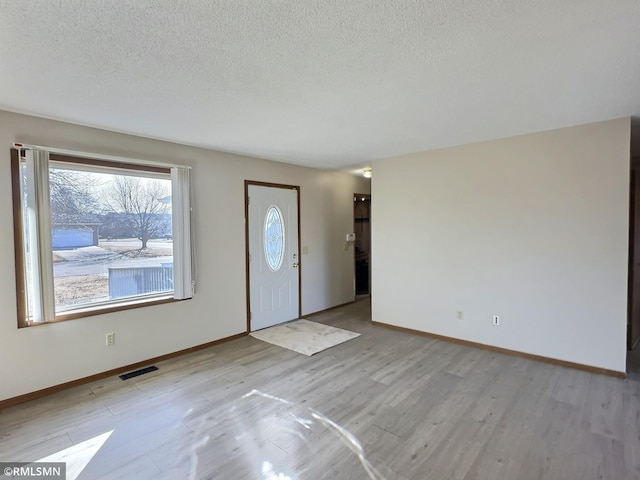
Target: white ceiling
[329,84]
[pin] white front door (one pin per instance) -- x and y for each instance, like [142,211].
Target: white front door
[273,255]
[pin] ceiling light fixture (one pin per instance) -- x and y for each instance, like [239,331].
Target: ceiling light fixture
[367,172]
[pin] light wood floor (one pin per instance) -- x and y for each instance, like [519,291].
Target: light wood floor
[386,405]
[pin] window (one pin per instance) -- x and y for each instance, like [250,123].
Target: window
[273,238]
[95,235]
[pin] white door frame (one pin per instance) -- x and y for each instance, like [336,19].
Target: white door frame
[246,241]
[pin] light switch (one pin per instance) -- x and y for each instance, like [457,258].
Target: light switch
[305,249]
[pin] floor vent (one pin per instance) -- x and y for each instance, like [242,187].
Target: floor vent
[142,371]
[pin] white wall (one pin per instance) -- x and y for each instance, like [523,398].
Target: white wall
[39,357]
[532,228]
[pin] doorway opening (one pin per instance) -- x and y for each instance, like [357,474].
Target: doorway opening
[633,290]
[362,250]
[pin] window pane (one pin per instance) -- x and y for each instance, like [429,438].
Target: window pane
[273,238]
[111,235]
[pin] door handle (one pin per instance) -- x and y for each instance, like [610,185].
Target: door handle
[295,265]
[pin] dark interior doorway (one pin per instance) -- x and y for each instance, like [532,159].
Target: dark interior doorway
[633,301]
[362,250]
[633,305]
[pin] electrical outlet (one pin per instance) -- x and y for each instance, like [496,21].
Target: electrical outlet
[110,339]
[460,315]
[496,320]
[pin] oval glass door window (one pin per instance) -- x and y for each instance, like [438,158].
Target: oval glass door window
[273,239]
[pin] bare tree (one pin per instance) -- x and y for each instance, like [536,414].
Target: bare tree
[144,203]
[72,200]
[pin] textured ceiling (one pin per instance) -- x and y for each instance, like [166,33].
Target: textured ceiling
[329,83]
